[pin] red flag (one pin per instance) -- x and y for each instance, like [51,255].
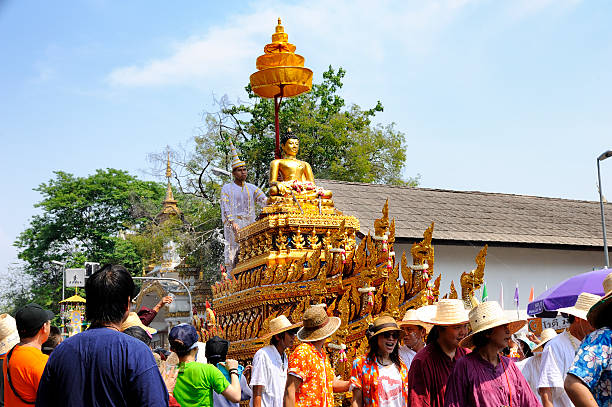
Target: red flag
[531,294]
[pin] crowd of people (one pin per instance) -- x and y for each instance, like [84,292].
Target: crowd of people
[439,355]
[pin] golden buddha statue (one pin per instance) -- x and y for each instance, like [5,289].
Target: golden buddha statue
[292,177]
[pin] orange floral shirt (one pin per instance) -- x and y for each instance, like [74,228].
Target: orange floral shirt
[317,376]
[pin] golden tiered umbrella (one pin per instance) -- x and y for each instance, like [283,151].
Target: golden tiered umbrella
[73,310]
[281,73]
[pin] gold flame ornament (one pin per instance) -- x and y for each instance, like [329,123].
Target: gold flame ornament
[280,72]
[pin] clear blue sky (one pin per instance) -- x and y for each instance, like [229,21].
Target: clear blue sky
[510,97]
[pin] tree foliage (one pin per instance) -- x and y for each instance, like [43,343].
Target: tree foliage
[80,220]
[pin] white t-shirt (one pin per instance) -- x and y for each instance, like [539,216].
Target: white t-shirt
[390,386]
[270,371]
[530,367]
[557,358]
[406,355]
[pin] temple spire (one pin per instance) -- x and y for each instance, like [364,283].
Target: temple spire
[169,195]
[169,208]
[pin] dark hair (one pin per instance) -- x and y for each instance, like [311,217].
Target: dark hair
[55,338]
[480,339]
[526,349]
[571,319]
[288,136]
[29,334]
[394,356]
[108,293]
[278,337]
[216,350]
[138,333]
[433,334]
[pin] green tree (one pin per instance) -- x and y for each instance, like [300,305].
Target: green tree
[81,220]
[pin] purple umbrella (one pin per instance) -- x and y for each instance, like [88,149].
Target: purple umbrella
[566,293]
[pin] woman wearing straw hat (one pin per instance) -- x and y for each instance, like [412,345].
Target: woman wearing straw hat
[270,363]
[415,332]
[485,377]
[9,337]
[530,367]
[589,380]
[432,365]
[310,378]
[380,377]
[559,353]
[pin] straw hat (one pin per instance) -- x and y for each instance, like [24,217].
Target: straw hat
[599,314]
[317,325]
[583,304]
[9,336]
[607,284]
[489,315]
[382,324]
[134,320]
[545,336]
[279,325]
[236,161]
[411,318]
[446,312]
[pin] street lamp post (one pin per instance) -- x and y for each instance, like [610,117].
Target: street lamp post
[602,157]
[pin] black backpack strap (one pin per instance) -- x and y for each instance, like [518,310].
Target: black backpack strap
[8,376]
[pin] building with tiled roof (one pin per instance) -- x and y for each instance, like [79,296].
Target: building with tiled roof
[533,241]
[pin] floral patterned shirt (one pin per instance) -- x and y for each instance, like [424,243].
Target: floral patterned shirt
[317,375]
[593,365]
[364,375]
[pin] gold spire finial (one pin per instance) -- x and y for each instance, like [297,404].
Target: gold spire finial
[168,170]
[281,36]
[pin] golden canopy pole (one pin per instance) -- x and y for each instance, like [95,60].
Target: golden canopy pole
[281,74]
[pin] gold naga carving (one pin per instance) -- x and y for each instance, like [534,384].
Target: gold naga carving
[392,288]
[453,291]
[382,225]
[423,253]
[314,264]
[471,281]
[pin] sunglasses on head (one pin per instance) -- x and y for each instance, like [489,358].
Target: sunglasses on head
[391,335]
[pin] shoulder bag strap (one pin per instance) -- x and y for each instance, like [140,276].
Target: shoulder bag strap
[8,375]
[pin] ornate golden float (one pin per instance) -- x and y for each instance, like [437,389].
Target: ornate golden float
[303,251]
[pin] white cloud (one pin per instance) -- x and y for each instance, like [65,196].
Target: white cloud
[359,30]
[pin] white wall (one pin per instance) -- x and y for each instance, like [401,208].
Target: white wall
[510,265]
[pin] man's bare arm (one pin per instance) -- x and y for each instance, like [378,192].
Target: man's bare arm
[257,392]
[577,391]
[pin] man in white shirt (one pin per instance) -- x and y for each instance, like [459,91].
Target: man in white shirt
[530,366]
[414,339]
[559,353]
[270,363]
[238,207]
